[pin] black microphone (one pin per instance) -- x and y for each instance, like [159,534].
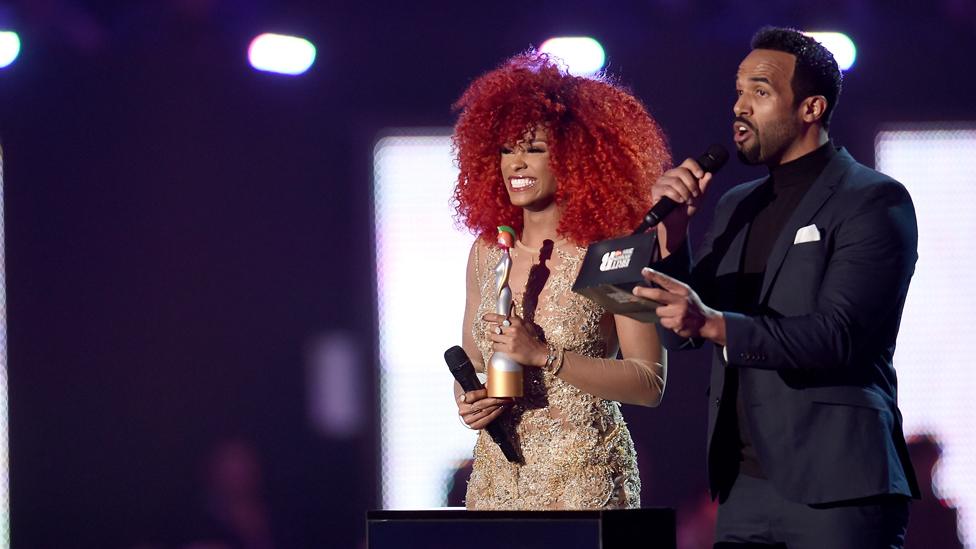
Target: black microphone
[462,370]
[711,160]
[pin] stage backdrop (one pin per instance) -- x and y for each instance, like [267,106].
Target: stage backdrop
[934,358]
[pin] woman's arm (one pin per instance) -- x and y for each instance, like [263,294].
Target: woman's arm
[637,379]
[472,301]
[476,410]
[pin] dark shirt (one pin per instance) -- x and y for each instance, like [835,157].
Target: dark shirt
[780,195]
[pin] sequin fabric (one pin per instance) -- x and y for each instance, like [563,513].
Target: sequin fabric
[577,450]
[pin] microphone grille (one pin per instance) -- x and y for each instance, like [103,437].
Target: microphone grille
[455,356]
[714,158]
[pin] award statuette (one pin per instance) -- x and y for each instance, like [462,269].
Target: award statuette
[504,374]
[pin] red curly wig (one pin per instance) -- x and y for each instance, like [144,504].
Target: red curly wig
[605,150]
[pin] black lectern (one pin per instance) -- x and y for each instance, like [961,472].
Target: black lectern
[460,529]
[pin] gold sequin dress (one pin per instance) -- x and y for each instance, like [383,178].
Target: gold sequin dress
[577,450]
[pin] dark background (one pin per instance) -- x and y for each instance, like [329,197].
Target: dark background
[179,225]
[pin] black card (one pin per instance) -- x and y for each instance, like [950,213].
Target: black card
[610,271]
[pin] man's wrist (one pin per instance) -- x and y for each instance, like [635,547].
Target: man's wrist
[714,327]
[670,240]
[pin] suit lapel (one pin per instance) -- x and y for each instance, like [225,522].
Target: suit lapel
[808,207]
[731,228]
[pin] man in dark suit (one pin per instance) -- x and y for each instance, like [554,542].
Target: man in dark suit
[804,274]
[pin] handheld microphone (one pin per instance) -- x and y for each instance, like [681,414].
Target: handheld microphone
[462,370]
[711,160]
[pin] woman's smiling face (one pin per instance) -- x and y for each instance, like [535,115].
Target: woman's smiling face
[525,171]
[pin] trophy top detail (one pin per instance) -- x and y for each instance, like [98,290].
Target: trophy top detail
[506,237]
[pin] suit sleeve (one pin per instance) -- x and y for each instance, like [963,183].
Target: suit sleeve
[677,265]
[860,298]
[680,265]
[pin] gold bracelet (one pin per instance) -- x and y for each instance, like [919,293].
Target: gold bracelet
[554,362]
[559,362]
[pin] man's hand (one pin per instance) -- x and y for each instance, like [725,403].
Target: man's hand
[681,310]
[685,184]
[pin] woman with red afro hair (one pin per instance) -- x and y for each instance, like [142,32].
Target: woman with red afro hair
[565,161]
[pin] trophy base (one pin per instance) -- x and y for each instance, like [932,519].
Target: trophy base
[502,384]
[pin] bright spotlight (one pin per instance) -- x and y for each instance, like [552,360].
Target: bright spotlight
[281,54]
[839,44]
[9,48]
[582,55]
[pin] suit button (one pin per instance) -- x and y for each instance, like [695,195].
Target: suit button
[718,402]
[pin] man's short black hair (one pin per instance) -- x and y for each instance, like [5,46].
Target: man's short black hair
[816,71]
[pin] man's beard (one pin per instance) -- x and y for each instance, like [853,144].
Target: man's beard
[750,156]
[776,137]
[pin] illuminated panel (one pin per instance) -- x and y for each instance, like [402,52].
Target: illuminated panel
[936,377]
[420,261]
[4,456]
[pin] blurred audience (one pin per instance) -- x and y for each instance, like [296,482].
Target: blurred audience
[235,514]
[696,523]
[459,484]
[933,522]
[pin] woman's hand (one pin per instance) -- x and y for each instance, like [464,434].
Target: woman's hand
[477,409]
[516,338]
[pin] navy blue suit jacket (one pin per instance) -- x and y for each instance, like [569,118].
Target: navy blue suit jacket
[815,366]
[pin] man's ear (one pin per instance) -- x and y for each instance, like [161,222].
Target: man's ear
[813,108]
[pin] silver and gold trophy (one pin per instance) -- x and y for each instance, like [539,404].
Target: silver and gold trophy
[504,374]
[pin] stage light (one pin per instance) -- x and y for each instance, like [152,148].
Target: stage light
[336,397]
[582,55]
[839,44]
[9,48]
[281,54]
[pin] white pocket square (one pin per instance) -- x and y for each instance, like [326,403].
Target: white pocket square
[810,233]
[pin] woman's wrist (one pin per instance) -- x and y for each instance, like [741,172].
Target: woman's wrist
[554,360]
[541,358]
